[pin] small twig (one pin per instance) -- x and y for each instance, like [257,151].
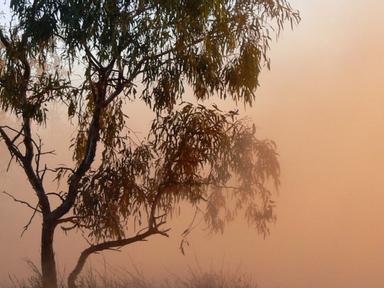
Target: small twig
[30,221]
[10,162]
[164,232]
[43,174]
[17,135]
[57,195]
[51,152]
[12,129]
[55,170]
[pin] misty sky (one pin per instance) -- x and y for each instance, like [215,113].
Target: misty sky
[323,103]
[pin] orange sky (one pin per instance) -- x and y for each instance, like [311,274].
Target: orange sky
[323,103]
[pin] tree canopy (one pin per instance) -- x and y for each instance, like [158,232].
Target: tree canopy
[151,51]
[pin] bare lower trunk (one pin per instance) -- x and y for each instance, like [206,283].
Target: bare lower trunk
[48,265]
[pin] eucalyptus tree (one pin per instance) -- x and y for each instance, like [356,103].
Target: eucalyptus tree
[150,51]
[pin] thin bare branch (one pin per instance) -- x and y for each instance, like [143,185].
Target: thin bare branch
[21,201]
[30,221]
[57,195]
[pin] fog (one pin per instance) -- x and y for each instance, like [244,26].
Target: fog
[323,104]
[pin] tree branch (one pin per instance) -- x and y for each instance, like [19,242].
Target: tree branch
[89,155]
[30,172]
[30,221]
[22,202]
[10,145]
[108,246]
[26,159]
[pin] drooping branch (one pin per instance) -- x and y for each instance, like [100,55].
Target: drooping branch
[108,245]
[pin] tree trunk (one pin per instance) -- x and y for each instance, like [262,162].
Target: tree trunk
[48,265]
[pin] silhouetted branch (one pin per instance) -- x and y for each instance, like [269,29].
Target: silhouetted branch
[89,156]
[30,221]
[10,145]
[21,202]
[38,155]
[92,58]
[29,143]
[58,169]
[9,163]
[57,195]
[109,245]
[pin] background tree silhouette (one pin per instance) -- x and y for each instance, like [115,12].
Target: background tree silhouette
[146,51]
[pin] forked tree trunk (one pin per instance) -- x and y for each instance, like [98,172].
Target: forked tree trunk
[48,265]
